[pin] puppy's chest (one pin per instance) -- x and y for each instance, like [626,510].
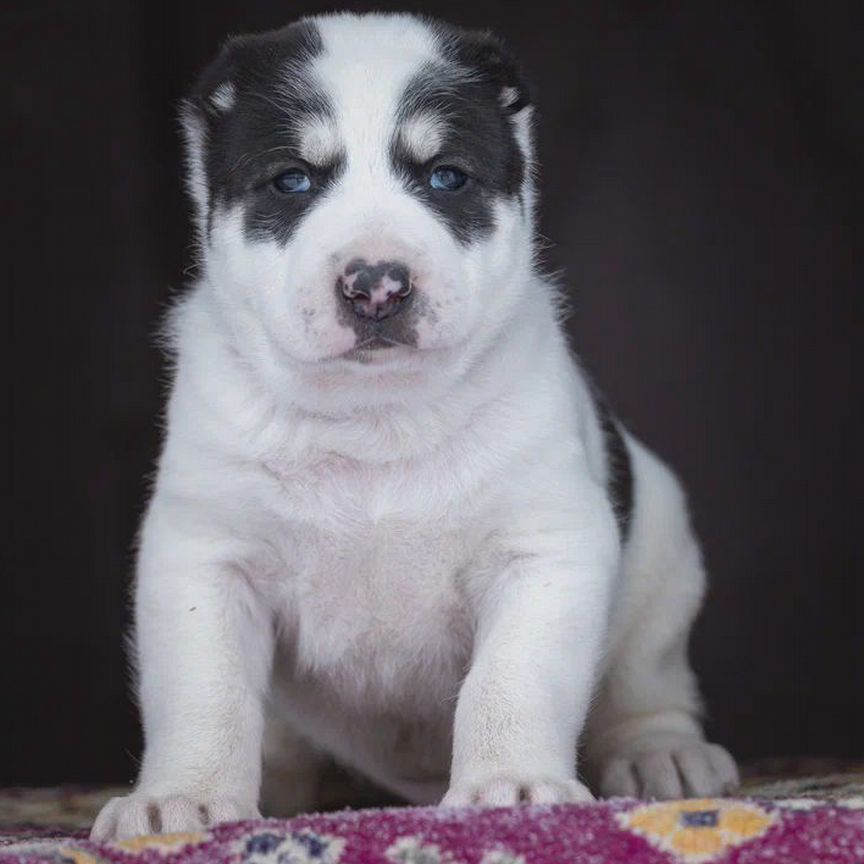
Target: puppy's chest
[375,589]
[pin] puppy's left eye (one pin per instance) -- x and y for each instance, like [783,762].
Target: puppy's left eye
[447,178]
[293,180]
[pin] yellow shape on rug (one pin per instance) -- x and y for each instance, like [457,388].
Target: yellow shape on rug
[161,842]
[698,830]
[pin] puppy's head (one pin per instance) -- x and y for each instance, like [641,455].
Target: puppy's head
[363,189]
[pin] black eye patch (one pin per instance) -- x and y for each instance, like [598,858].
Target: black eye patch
[465,91]
[258,138]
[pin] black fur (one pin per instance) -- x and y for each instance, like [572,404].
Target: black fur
[480,138]
[242,154]
[465,86]
[620,471]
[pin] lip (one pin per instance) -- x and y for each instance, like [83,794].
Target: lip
[377,342]
[375,349]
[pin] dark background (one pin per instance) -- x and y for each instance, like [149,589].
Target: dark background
[702,185]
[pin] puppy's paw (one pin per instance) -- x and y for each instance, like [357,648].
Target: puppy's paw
[680,766]
[506,790]
[138,813]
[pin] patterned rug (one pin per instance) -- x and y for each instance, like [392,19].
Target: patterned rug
[815,819]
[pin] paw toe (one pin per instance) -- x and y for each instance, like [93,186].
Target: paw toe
[565,792]
[686,768]
[658,776]
[619,780]
[178,814]
[508,792]
[137,814]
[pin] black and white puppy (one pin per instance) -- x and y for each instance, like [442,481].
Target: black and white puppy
[391,524]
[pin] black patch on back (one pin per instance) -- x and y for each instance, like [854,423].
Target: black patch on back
[619,470]
[465,89]
[250,143]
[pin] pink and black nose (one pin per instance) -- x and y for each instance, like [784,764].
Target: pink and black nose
[375,291]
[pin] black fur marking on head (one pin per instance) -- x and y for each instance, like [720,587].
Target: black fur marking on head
[619,486]
[474,89]
[247,144]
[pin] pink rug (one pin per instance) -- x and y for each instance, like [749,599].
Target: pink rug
[714,831]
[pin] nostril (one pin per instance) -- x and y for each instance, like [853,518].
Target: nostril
[354,285]
[400,275]
[363,283]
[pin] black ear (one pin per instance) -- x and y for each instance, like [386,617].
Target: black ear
[216,75]
[248,62]
[210,94]
[487,55]
[203,115]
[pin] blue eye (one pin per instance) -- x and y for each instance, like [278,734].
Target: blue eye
[293,180]
[447,178]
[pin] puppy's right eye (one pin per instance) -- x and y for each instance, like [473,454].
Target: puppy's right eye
[447,178]
[292,181]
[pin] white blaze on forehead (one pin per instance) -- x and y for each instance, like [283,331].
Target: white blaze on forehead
[365,65]
[422,136]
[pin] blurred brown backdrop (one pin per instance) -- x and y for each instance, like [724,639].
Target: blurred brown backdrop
[703,175]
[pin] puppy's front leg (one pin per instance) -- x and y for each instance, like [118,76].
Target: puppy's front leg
[204,649]
[524,701]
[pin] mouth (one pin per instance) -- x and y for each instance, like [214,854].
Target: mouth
[377,342]
[374,348]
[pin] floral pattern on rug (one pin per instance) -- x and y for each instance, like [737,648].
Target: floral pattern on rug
[295,847]
[697,831]
[709,831]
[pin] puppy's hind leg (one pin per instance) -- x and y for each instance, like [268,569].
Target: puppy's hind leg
[644,737]
[291,771]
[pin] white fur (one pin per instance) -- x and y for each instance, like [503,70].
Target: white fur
[223,97]
[423,136]
[402,559]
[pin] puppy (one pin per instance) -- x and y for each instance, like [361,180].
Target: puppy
[392,524]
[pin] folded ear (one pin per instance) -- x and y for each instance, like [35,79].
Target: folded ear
[486,54]
[212,95]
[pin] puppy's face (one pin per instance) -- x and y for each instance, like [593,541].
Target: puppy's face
[363,189]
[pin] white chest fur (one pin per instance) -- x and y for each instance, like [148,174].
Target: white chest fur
[375,594]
